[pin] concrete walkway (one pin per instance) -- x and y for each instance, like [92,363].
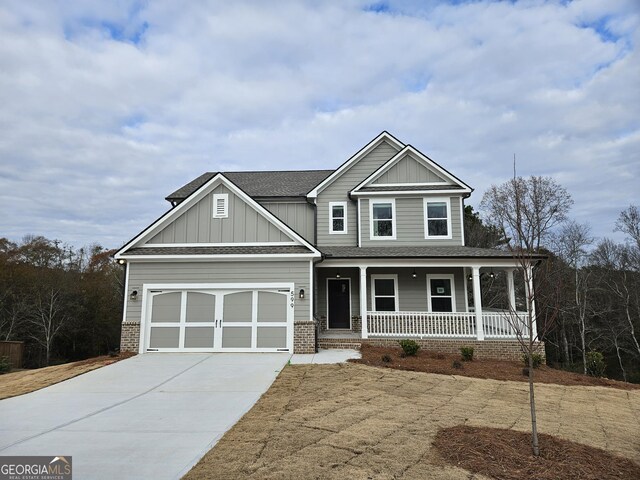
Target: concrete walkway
[151,416]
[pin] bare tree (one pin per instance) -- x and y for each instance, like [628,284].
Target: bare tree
[526,210]
[47,317]
[572,243]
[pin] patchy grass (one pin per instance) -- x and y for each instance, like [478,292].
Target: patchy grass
[25,381]
[354,421]
[433,362]
[506,454]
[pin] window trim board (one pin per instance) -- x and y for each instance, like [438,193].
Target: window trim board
[425,202]
[344,207]
[442,276]
[394,222]
[385,276]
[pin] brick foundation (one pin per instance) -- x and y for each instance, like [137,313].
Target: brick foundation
[304,337]
[499,349]
[130,337]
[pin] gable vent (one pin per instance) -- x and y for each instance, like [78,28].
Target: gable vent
[220,205]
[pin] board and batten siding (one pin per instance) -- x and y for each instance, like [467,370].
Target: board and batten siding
[297,215]
[297,272]
[408,170]
[338,191]
[410,218]
[197,225]
[412,292]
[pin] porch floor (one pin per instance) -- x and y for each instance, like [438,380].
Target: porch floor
[346,334]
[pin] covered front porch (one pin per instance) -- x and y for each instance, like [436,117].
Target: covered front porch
[422,299]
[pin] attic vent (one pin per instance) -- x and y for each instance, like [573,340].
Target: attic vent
[220,205]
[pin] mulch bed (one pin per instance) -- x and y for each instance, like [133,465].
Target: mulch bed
[506,454]
[434,362]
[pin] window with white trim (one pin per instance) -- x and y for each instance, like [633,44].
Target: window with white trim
[437,218]
[384,293]
[338,217]
[220,205]
[441,293]
[383,219]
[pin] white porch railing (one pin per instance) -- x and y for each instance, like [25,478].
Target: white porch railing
[443,324]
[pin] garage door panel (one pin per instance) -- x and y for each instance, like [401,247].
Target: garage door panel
[166,307]
[164,337]
[236,337]
[272,337]
[272,307]
[201,307]
[237,307]
[199,337]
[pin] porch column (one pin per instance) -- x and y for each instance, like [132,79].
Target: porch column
[511,290]
[363,301]
[477,302]
[531,295]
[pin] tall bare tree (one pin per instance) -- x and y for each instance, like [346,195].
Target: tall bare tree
[526,210]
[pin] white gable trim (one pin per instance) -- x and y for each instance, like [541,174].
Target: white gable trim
[199,194]
[420,157]
[383,137]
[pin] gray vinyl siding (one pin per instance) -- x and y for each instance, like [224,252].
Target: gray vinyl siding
[220,272]
[196,225]
[338,191]
[408,170]
[410,223]
[412,292]
[297,215]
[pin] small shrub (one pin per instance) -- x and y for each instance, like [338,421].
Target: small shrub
[595,364]
[5,366]
[467,353]
[457,364]
[386,358]
[409,347]
[536,357]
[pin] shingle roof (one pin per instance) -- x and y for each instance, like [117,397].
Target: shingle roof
[415,252]
[230,250]
[261,184]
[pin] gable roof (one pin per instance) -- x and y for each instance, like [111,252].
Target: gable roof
[383,137]
[283,183]
[367,185]
[196,196]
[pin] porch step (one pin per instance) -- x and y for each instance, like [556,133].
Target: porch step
[339,343]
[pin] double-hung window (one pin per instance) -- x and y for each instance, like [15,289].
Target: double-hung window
[383,219]
[441,293]
[338,217]
[384,293]
[437,218]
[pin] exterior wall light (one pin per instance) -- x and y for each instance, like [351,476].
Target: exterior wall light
[133,295]
[301,294]
[337,273]
[414,274]
[122,261]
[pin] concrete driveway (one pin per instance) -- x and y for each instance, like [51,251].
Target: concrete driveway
[151,416]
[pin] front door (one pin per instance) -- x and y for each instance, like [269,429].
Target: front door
[339,310]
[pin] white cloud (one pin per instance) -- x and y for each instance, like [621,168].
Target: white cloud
[110,106]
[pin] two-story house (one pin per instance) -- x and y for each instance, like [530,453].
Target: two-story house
[372,251]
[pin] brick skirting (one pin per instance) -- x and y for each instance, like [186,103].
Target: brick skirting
[499,349]
[304,337]
[130,337]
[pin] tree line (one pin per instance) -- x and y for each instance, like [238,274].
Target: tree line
[64,303]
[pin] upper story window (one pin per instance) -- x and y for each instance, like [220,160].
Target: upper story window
[383,219]
[437,218]
[338,217]
[220,205]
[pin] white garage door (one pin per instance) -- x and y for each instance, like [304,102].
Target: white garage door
[214,320]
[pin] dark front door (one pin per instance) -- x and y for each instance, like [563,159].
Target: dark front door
[339,303]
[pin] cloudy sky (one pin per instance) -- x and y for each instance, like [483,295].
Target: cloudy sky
[106,107]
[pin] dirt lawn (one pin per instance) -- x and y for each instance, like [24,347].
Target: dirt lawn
[354,421]
[25,381]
